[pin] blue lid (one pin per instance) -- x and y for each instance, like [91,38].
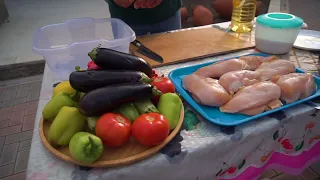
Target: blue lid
[280,20]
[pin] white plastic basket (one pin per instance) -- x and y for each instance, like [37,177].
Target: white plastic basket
[66,45]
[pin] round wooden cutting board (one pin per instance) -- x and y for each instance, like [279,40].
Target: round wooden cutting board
[129,153]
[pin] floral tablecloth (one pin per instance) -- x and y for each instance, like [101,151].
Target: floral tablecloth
[287,140]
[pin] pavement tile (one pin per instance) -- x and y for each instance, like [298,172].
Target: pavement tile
[23,145]
[6,97]
[22,85]
[10,93]
[16,117]
[268,174]
[28,122]
[34,91]
[25,105]
[5,113]
[32,110]
[33,95]
[22,161]
[6,170]
[308,174]
[287,177]
[35,86]
[11,130]
[14,101]
[9,154]
[2,139]
[4,123]
[23,91]
[3,90]
[19,176]
[19,137]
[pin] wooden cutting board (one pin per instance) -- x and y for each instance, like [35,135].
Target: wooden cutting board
[189,45]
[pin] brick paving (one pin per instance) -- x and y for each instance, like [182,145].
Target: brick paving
[18,107]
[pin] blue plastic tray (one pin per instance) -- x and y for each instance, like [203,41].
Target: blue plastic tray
[213,114]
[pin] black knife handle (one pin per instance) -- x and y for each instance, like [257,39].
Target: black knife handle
[137,43]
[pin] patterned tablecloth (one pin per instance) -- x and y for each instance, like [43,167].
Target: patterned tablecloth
[287,140]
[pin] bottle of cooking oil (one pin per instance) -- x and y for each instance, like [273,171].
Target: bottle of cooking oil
[242,15]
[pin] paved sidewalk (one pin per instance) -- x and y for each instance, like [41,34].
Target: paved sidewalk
[18,107]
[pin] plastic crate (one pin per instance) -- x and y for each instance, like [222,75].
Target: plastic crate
[66,45]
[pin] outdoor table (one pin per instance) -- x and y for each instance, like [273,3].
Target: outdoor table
[286,140]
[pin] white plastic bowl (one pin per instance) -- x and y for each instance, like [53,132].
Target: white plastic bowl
[66,45]
[276,33]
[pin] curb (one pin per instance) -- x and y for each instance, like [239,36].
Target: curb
[19,70]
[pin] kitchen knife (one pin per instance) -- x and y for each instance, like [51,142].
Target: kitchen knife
[147,52]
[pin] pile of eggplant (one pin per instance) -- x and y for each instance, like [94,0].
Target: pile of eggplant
[122,78]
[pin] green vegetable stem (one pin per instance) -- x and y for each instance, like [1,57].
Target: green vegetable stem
[145,106]
[129,111]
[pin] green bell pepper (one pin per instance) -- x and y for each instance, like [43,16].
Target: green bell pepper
[170,106]
[68,122]
[85,147]
[61,99]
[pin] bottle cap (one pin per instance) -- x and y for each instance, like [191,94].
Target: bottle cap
[280,20]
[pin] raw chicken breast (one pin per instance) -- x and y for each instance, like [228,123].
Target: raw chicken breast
[295,86]
[271,68]
[206,91]
[234,80]
[255,61]
[253,99]
[216,70]
[271,105]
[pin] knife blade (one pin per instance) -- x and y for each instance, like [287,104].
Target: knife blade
[142,49]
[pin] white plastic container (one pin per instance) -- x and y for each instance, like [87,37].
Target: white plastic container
[276,32]
[66,45]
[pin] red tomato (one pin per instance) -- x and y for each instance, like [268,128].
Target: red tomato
[150,129]
[164,85]
[113,129]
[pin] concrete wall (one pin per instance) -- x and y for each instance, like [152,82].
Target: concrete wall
[3,11]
